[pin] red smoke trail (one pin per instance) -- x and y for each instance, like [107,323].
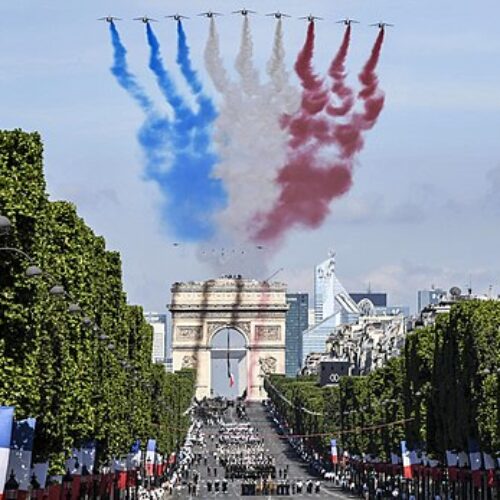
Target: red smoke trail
[305,125]
[315,96]
[308,182]
[349,136]
[338,74]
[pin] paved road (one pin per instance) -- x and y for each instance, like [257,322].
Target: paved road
[285,456]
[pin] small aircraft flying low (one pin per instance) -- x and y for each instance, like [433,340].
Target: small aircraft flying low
[310,18]
[382,25]
[177,17]
[244,12]
[210,14]
[109,19]
[146,19]
[278,15]
[260,247]
[347,21]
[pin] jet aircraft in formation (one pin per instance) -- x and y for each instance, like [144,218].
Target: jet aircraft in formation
[244,12]
[177,17]
[145,19]
[347,21]
[109,19]
[210,14]
[310,18]
[278,15]
[381,25]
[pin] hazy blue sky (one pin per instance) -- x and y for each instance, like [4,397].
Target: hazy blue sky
[424,208]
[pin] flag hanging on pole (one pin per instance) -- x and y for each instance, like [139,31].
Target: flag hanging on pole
[21,448]
[134,457]
[87,455]
[150,456]
[6,422]
[407,470]
[230,376]
[334,451]
[452,462]
[40,471]
[476,462]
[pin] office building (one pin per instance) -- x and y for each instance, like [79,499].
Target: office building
[297,321]
[430,297]
[332,304]
[159,323]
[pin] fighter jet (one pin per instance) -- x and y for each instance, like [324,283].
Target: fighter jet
[347,21]
[145,19]
[177,17]
[310,18]
[381,25]
[244,12]
[210,14]
[109,19]
[278,15]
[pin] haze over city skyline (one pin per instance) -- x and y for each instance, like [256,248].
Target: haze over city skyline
[424,203]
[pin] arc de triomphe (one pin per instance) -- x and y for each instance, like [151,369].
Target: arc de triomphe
[255,309]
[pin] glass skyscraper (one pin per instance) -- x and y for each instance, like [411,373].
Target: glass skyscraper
[297,321]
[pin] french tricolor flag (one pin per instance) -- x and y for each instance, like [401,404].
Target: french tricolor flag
[21,449]
[6,422]
[334,451]
[405,453]
[476,462]
[150,456]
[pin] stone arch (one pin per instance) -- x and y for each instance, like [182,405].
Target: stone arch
[220,329]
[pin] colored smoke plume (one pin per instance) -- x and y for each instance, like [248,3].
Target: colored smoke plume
[122,74]
[192,194]
[349,136]
[308,181]
[249,137]
[153,136]
[338,74]
[244,61]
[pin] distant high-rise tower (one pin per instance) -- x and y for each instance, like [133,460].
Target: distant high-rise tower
[330,296]
[159,324]
[297,321]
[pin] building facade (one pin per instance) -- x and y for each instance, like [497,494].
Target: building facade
[430,297]
[297,321]
[159,323]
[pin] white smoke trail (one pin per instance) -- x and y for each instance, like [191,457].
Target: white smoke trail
[244,61]
[213,60]
[284,92]
[250,141]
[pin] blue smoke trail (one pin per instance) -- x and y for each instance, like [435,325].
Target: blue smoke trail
[192,193]
[121,73]
[154,134]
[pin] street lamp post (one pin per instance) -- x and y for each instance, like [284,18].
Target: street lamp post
[11,487]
